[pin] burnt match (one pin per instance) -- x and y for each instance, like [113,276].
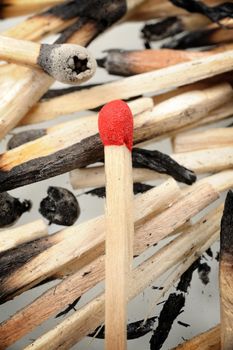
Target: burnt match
[70,64]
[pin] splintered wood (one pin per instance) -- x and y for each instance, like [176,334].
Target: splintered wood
[166,203]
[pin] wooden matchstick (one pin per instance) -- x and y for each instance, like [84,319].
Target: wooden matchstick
[196,140]
[146,205]
[155,81]
[79,138]
[77,248]
[226,280]
[116,132]
[218,114]
[94,176]
[12,238]
[14,8]
[70,64]
[209,340]
[126,63]
[83,322]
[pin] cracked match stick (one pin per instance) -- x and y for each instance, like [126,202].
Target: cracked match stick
[116,132]
[67,63]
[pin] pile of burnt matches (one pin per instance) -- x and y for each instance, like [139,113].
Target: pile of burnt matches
[179,88]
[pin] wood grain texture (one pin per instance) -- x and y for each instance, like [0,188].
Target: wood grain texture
[14,237]
[209,340]
[225,272]
[196,140]
[75,146]
[127,63]
[81,323]
[81,279]
[119,240]
[90,244]
[15,8]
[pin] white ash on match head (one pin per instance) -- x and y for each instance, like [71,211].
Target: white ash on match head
[67,63]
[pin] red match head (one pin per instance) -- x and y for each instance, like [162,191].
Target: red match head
[116,124]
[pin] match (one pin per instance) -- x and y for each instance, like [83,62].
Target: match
[116,132]
[69,64]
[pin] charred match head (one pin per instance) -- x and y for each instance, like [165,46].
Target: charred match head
[67,63]
[116,124]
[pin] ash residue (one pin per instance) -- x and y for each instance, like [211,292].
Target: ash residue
[60,207]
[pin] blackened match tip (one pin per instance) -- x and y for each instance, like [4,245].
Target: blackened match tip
[190,176]
[226,233]
[67,63]
[101,62]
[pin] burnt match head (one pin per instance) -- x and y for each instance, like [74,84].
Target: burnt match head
[67,63]
[116,124]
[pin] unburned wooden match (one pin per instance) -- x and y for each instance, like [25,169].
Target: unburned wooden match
[67,63]
[116,132]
